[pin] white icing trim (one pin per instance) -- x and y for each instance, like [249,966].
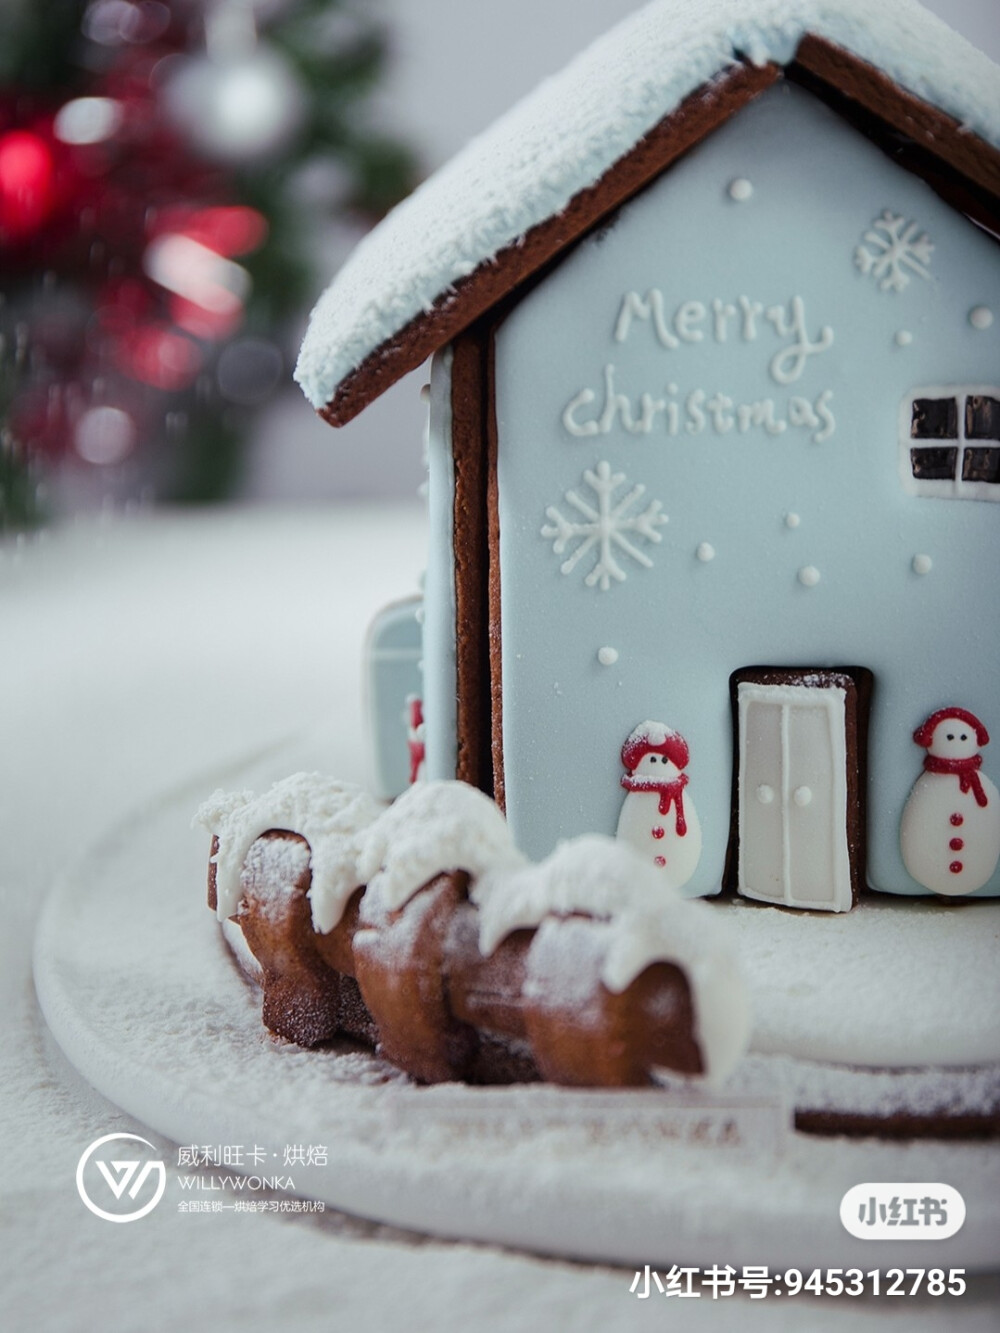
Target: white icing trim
[327,813]
[441,826]
[246,960]
[434,827]
[690,934]
[591,874]
[439,631]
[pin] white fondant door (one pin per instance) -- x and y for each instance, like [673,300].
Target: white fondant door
[793,796]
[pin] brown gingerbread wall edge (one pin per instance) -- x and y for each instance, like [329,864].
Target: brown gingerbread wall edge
[470,526]
[939,135]
[493,542]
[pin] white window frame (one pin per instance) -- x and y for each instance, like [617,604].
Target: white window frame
[953,488]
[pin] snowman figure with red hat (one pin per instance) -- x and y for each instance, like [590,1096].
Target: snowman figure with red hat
[949,834]
[658,817]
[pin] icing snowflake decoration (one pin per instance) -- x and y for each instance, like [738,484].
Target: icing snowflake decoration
[896,253]
[606,527]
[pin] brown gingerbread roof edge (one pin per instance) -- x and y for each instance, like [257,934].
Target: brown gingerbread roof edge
[365,335]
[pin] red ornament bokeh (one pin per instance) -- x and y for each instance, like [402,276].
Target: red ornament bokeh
[78,225]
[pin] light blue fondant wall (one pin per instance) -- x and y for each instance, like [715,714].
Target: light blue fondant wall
[683,625]
[439,583]
[393,674]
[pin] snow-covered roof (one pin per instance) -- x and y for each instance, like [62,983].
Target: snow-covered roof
[529,165]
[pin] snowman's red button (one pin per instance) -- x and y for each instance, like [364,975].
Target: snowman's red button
[955,867]
[956,844]
[659,860]
[657,832]
[958,820]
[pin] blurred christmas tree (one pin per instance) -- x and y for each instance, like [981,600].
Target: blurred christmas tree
[153,242]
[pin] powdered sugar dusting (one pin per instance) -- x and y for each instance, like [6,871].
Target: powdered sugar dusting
[694,936]
[895,982]
[650,733]
[434,827]
[650,923]
[590,874]
[327,813]
[274,867]
[564,959]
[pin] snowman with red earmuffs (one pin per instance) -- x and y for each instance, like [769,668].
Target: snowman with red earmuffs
[658,818]
[949,834]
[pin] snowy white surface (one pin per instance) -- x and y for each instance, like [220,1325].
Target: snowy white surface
[592,1175]
[894,982]
[564,136]
[135,656]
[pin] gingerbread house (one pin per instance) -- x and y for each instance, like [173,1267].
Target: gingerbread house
[714,429]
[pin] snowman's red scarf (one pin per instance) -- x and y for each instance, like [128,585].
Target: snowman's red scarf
[966,770]
[671,793]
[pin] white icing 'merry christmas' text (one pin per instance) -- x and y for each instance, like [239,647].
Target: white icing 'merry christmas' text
[696,410]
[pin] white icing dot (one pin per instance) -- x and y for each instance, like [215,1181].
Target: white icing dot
[809,576]
[765,794]
[903,338]
[705,551]
[607,656]
[802,796]
[922,564]
[792,520]
[740,189]
[981,317]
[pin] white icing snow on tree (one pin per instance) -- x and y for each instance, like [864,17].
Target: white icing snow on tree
[897,252]
[604,527]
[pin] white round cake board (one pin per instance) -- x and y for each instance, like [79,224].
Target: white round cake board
[147,1002]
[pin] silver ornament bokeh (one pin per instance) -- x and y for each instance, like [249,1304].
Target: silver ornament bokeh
[242,108]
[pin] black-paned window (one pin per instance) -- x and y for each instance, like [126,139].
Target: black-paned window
[982,417]
[934,464]
[934,419]
[981,465]
[950,443]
